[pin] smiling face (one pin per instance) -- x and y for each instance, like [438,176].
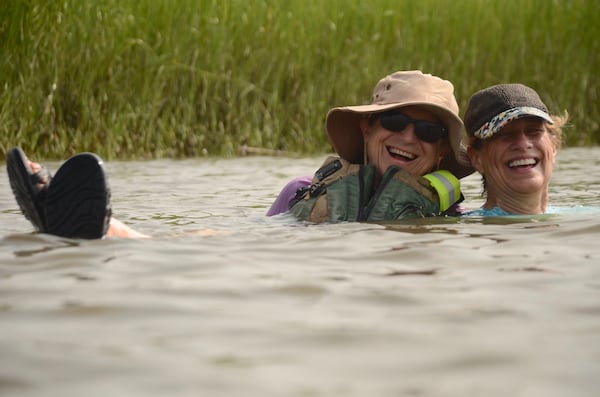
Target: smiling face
[404,149]
[517,163]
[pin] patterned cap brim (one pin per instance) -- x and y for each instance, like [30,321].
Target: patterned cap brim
[497,122]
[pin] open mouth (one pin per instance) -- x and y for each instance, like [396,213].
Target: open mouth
[523,163]
[401,154]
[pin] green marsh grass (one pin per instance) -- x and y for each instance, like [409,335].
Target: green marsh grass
[179,78]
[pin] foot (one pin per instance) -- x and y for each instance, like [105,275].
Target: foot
[28,182]
[78,199]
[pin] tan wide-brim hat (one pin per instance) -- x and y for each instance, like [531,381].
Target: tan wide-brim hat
[404,88]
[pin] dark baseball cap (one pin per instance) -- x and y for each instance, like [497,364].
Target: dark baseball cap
[490,109]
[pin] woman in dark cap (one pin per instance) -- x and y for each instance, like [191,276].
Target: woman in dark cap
[513,142]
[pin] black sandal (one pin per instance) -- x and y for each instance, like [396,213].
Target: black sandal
[29,188]
[78,199]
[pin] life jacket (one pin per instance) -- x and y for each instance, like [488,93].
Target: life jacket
[342,191]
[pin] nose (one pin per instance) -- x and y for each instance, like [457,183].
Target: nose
[520,139]
[408,134]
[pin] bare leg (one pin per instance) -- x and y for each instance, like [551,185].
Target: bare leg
[116,228]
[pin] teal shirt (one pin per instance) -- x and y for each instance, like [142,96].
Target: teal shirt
[496,211]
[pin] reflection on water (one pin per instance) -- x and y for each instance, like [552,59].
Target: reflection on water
[270,306]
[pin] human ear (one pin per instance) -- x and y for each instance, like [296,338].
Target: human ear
[475,159]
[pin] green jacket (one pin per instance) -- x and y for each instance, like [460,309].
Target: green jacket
[342,191]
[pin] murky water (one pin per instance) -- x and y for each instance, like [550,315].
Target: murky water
[272,307]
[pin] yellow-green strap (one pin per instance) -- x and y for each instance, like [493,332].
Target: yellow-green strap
[447,187]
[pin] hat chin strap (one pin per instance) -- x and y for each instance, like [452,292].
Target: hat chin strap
[439,162]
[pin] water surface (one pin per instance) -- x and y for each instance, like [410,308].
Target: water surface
[273,307]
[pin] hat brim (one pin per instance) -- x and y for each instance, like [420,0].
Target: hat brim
[345,135]
[500,120]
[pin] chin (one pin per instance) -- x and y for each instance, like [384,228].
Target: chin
[531,187]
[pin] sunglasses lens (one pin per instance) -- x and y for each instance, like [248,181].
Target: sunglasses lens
[395,122]
[429,132]
[426,131]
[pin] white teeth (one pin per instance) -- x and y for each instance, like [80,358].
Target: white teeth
[521,162]
[402,153]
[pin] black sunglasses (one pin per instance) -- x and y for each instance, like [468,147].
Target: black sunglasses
[427,131]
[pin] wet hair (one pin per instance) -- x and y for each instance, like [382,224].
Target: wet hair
[555,130]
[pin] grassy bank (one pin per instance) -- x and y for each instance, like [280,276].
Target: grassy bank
[156,78]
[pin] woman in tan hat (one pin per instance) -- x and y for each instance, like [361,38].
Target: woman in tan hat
[513,142]
[398,157]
